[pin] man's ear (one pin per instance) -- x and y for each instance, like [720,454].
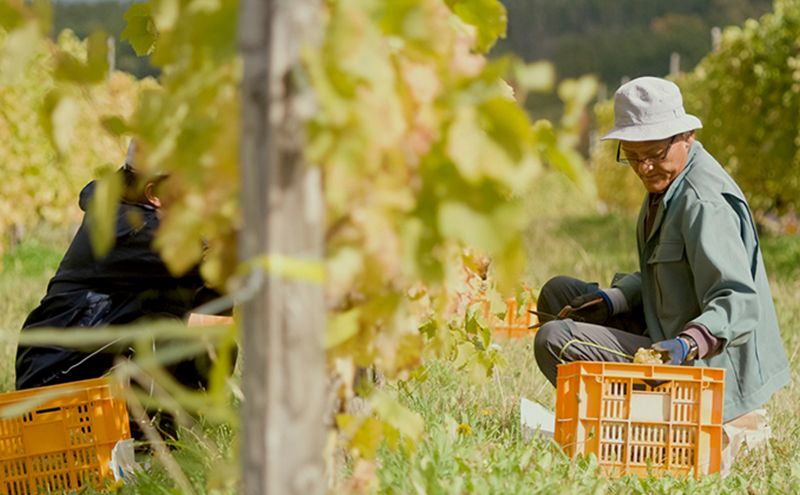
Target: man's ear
[149,193]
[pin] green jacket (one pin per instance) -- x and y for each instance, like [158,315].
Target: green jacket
[702,264]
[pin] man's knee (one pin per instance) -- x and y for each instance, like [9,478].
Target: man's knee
[551,335]
[547,344]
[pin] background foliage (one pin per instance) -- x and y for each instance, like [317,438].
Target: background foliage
[50,139]
[86,17]
[621,38]
[747,94]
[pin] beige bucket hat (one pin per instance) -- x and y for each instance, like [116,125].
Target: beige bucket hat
[649,109]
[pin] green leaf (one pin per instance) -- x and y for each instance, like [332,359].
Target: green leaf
[488,16]
[464,354]
[102,213]
[115,125]
[58,117]
[165,14]
[389,410]
[10,16]
[18,49]
[460,222]
[141,30]
[44,14]
[342,327]
[538,76]
[94,70]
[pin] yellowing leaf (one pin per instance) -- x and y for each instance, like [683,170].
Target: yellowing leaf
[342,327]
[459,222]
[488,16]
[165,13]
[103,213]
[538,76]
[58,116]
[389,410]
[464,353]
[18,48]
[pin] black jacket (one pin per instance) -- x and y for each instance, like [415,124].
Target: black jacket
[130,283]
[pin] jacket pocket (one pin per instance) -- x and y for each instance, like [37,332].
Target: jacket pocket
[676,302]
[667,252]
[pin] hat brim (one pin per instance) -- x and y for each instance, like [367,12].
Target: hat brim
[653,132]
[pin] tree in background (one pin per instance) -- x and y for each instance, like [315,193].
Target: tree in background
[747,94]
[85,17]
[621,38]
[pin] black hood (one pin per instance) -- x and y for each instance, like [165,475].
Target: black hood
[86,195]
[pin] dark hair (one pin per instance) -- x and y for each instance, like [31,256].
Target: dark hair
[134,184]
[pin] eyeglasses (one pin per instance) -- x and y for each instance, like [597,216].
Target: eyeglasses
[638,161]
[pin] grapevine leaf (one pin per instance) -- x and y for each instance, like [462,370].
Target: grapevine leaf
[44,14]
[488,16]
[141,31]
[102,213]
[18,48]
[94,70]
[465,352]
[115,125]
[10,17]
[58,117]
[389,410]
[538,76]
[165,14]
[180,241]
[342,327]
[461,223]
[365,433]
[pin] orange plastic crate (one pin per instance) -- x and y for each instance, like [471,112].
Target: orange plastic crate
[632,415]
[65,442]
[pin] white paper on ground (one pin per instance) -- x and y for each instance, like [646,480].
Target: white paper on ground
[535,418]
[122,461]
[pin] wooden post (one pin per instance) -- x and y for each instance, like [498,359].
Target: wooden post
[716,38]
[674,63]
[283,436]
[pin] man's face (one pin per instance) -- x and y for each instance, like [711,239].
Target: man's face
[655,172]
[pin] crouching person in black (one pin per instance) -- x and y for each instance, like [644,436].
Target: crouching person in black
[130,283]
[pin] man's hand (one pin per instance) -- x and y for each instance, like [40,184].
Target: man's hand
[673,351]
[593,307]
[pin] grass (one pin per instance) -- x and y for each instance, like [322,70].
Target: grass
[567,236]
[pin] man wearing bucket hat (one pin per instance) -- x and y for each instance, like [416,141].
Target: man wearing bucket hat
[701,295]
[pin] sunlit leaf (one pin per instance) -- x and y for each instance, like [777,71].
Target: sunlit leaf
[489,16]
[44,15]
[389,410]
[18,48]
[103,214]
[342,327]
[58,116]
[140,31]
[538,76]
[94,69]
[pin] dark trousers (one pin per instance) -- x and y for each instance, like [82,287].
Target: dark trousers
[564,341]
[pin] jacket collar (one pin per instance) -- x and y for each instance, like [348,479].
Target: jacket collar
[671,190]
